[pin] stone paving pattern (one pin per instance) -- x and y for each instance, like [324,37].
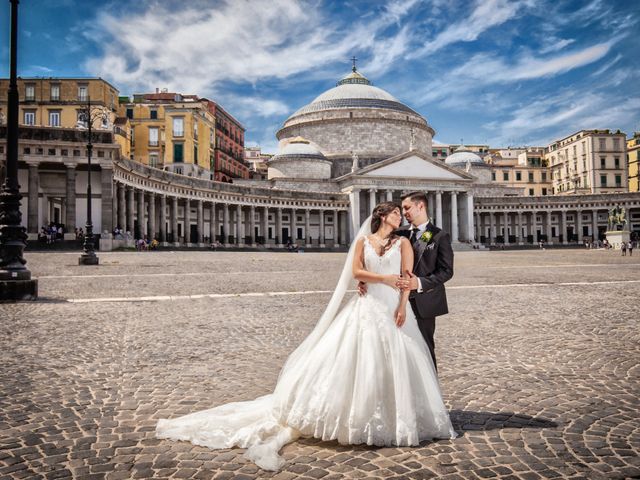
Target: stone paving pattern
[542,380]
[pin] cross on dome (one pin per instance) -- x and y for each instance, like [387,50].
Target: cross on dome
[354,77]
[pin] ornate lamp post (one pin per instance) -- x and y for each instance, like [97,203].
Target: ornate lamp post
[88,256]
[15,279]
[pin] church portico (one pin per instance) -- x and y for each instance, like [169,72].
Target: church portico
[389,180]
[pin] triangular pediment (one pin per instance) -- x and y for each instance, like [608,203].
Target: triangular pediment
[412,165]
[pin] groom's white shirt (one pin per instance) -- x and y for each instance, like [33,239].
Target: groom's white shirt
[421,229]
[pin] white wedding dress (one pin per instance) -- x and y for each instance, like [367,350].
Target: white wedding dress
[357,378]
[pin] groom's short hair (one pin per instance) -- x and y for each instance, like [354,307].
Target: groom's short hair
[416,197]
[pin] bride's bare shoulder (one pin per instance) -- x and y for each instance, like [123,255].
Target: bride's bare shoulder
[403,241]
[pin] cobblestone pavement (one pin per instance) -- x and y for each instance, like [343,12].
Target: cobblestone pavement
[539,364]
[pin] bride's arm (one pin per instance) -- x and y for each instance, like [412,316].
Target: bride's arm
[363,275]
[406,252]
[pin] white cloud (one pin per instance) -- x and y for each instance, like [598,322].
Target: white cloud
[486,14]
[484,70]
[554,44]
[387,50]
[548,118]
[246,107]
[607,65]
[495,70]
[198,50]
[38,70]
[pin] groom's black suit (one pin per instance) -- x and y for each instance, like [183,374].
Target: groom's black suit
[433,265]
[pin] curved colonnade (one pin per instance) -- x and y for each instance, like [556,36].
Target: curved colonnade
[185,211]
[555,220]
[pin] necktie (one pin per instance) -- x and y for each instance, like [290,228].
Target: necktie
[414,234]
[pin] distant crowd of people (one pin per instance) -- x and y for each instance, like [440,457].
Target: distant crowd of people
[146,244]
[627,246]
[624,246]
[51,233]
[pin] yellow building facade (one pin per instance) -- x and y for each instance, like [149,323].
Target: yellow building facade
[171,131]
[58,102]
[524,169]
[589,162]
[633,152]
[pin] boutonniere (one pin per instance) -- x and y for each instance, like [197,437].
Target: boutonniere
[426,236]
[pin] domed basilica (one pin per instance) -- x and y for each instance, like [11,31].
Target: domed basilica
[358,140]
[352,147]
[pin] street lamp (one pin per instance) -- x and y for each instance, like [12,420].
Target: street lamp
[86,118]
[15,278]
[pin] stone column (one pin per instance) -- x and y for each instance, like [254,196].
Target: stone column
[492,229]
[163,219]
[34,187]
[130,211]
[265,225]
[470,218]
[186,231]
[106,200]
[454,217]
[478,227]
[152,216]
[213,224]
[519,233]
[579,224]
[341,227]
[431,205]
[594,225]
[565,240]
[439,209]
[294,226]
[141,220]
[307,228]
[70,189]
[279,239]
[225,224]
[174,221]
[354,210]
[534,226]
[122,208]
[372,199]
[239,226]
[200,222]
[114,205]
[549,230]
[321,243]
[505,221]
[252,225]
[389,195]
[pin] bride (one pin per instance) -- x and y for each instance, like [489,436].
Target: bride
[363,375]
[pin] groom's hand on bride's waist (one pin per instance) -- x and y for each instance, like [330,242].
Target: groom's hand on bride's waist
[362,288]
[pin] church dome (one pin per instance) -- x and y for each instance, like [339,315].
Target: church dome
[299,159]
[299,147]
[356,118]
[462,157]
[354,91]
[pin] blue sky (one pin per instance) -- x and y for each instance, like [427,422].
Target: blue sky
[522,72]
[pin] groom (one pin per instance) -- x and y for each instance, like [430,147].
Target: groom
[432,266]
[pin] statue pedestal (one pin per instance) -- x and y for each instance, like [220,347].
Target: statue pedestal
[616,237]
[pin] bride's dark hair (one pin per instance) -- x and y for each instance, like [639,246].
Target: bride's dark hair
[382,210]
